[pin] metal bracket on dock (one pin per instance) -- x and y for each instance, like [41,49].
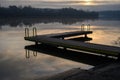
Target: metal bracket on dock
[87,28]
[34,31]
[27,32]
[82,27]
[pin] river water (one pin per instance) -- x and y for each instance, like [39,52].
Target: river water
[13,62]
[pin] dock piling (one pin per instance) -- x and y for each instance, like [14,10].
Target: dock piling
[36,43]
[85,35]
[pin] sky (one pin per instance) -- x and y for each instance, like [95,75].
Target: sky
[92,5]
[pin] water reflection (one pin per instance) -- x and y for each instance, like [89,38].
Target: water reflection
[28,54]
[15,66]
[14,22]
[68,54]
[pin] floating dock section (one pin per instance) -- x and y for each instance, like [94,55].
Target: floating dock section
[59,41]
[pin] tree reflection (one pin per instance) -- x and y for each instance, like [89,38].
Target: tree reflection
[14,22]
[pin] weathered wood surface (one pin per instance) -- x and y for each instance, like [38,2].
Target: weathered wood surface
[90,47]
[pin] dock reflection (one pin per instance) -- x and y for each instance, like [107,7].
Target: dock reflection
[67,54]
[28,53]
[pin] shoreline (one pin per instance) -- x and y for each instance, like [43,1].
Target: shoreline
[103,72]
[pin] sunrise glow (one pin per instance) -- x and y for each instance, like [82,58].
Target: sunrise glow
[88,2]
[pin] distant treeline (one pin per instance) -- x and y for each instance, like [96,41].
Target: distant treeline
[28,11]
[14,22]
[110,15]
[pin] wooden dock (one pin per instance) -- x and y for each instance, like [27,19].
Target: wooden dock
[89,47]
[69,34]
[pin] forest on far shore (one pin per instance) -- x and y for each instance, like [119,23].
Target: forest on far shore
[28,11]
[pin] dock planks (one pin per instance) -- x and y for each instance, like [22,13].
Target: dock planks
[90,47]
[69,34]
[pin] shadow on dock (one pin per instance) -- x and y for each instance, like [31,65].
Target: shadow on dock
[67,54]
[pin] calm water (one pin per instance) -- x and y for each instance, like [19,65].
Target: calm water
[13,63]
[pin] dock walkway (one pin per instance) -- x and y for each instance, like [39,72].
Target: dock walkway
[69,34]
[89,47]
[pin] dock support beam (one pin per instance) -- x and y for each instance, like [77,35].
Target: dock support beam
[118,58]
[64,48]
[85,35]
[62,38]
[36,43]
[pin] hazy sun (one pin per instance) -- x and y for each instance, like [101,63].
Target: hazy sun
[88,2]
